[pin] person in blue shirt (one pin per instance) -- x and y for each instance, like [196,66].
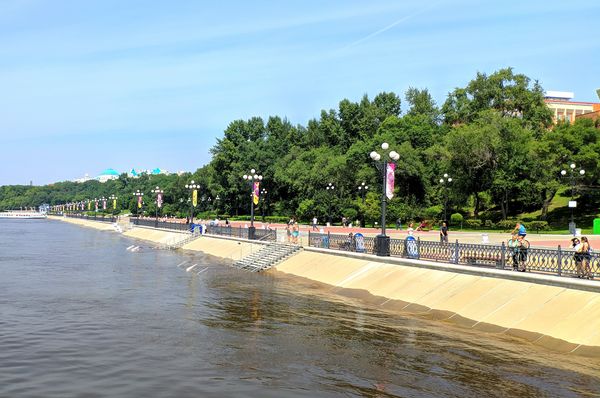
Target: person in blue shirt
[520,230]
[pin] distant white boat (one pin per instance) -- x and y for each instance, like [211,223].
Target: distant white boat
[23,214]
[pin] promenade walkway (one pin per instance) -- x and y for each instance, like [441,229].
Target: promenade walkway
[536,240]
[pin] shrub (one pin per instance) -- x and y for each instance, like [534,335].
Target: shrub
[473,224]
[506,225]
[456,218]
[433,212]
[489,224]
[538,226]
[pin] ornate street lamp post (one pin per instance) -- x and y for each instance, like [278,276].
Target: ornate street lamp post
[114,201]
[362,191]
[159,199]
[140,200]
[445,181]
[330,188]
[263,195]
[193,187]
[254,182]
[387,169]
[572,203]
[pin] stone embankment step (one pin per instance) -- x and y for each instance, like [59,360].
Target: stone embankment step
[267,257]
[178,242]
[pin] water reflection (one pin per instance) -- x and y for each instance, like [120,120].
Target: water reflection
[87,318]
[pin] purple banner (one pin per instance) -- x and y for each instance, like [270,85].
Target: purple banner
[389,192]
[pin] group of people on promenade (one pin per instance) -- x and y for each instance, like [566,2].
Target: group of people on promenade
[583,256]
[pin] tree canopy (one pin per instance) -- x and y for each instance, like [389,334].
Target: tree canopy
[494,136]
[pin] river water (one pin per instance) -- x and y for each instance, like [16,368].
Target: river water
[80,316]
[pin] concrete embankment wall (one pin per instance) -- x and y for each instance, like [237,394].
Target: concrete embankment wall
[559,313]
[564,317]
[103,226]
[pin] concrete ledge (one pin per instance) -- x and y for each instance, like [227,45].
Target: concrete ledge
[549,280]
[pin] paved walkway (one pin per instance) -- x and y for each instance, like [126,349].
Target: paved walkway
[536,240]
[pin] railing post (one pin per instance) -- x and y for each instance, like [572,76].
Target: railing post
[328,239]
[559,261]
[503,256]
[456,252]
[418,248]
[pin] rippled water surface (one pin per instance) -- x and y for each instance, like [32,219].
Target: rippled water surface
[80,316]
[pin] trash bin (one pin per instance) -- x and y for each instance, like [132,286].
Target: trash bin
[577,231]
[485,238]
[596,226]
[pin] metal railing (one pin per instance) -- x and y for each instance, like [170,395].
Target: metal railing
[240,232]
[95,217]
[547,261]
[148,222]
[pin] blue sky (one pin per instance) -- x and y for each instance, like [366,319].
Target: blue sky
[87,85]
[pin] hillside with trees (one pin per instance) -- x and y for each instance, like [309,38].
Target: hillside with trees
[494,137]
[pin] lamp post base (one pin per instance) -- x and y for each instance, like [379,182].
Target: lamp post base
[251,231]
[572,228]
[382,245]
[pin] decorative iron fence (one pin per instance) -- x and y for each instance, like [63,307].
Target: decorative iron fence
[548,261]
[95,217]
[146,222]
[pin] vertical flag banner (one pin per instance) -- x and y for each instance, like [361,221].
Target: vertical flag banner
[159,200]
[139,202]
[104,204]
[89,206]
[195,198]
[255,192]
[114,204]
[96,205]
[389,191]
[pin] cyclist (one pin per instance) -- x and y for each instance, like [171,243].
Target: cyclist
[520,230]
[519,246]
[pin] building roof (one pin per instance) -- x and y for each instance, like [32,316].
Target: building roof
[109,172]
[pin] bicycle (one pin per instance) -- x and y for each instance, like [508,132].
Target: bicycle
[519,249]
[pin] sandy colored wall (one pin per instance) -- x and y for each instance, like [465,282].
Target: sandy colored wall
[225,248]
[154,235]
[561,318]
[103,226]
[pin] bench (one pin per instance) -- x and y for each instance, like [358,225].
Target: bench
[484,260]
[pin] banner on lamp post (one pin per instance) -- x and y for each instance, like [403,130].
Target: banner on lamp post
[255,192]
[389,190]
[139,202]
[89,206]
[159,200]
[104,204]
[114,204]
[195,198]
[96,206]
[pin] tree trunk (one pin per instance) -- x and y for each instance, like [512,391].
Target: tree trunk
[548,199]
[476,211]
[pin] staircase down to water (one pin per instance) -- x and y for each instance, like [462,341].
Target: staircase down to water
[267,257]
[178,242]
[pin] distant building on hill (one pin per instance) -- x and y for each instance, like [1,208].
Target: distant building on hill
[156,171]
[561,104]
[108,174]
[83,179]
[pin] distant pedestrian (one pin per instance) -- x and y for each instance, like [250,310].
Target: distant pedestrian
[314,223]
[398,224]
[410,229]
[444,233]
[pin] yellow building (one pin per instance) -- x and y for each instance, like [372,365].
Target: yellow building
[560,102]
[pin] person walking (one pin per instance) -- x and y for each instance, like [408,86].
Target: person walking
[444,233]
[314,223]
[398,224]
